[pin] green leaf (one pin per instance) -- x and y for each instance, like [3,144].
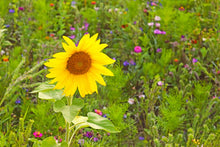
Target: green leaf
[204,52]
[49,142]
[47,91]
[37,143]
[43,86]
[58,106]
[97,122]
[64,144]
[69,112]
[51,94]
[80,122]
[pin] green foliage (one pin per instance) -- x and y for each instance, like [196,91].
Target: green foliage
[115,113]
[172,112]
[115,85]
[21,139]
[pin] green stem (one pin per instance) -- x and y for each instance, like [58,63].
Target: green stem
[72,137]
[69,103]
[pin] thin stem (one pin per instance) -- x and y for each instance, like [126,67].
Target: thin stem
[69,103]
[72,137]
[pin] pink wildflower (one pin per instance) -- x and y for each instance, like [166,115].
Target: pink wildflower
[137,49]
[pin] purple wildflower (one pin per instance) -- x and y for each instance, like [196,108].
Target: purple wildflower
[141,29]
[81,141]
[126,63]
[132,62]
[141,138]
[11,11]
[159,50]
[95,139]
[72,29]
[89,134]
[18,101]
[73,3]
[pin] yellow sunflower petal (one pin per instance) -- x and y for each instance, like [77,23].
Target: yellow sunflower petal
[69,42]
[92,84]
[61,55]
[94,37]
[97,77]
[60,84]
[102,59]
[70,86]
[82,86]
[103,70]
[102,46]
[83,41]
[55,62]
[67,48]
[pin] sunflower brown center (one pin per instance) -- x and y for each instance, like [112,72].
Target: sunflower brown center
[79,63]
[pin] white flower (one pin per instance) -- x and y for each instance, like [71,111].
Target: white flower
[131,101]
[109,10]
[116,9]
[141,96]
[96,8]
[157,18]
[2,52]
[157,24]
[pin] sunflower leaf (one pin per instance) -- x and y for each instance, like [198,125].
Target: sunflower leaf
[41,87]
[69,112]
[51,94]
[46,91]
[97,122]
[49,141]
[58,106]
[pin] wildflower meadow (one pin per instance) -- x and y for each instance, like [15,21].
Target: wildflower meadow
[109,73]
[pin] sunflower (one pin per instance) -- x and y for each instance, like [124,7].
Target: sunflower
[79,67]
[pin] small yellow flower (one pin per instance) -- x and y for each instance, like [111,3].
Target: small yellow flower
[79,67]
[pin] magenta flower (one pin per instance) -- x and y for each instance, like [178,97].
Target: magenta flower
[163,32]
[72,28]
[21,8]
[157,31]
[99,112]
[137,49]
[37,134]
[159,50]
[194,60]
[72,36]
